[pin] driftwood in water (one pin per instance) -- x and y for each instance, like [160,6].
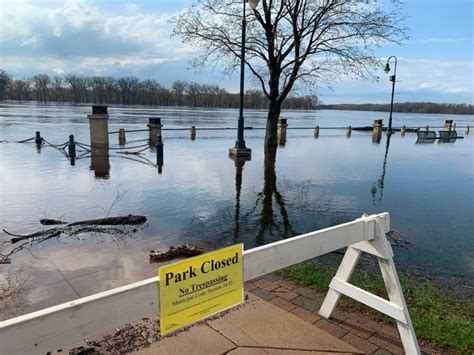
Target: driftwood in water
[185,250]
[108,221]
[73,229]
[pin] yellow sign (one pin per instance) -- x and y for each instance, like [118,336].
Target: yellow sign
[199,287]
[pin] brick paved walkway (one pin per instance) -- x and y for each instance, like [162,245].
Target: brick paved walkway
[354,327]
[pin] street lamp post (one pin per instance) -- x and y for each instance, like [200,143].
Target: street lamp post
[240,150]
[392,79]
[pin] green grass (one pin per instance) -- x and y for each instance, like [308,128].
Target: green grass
[437,316]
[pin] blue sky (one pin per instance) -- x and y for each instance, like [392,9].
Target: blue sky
[105,37]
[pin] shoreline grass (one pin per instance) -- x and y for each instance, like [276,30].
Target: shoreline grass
[437,316]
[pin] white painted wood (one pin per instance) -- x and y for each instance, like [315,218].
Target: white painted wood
[348,264]
[368,299]
[53,328]
[395,295]
[396,307]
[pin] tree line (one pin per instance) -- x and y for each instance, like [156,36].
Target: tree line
[410,107]
[130,90]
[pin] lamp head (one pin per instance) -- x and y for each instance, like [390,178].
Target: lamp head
[253,3]
[387,68]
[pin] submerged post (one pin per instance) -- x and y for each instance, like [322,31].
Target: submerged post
[193,133]
[403,131]
[71,146]
[99,136]
[348,131]
[154,129]
[281,131]
[316,132]
[448,125]
[377,132]
[466,130]
[122,138]
[159,153]
[38,139]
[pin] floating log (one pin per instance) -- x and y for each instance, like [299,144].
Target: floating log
[108,221]
[185,250]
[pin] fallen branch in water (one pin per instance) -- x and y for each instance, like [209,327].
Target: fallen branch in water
[107,221]
[73,229]
[185,250]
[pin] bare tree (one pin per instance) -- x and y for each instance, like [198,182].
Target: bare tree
[40,83]
[73,81]
[179,88]
[291,41]
[58,89]
[5,80]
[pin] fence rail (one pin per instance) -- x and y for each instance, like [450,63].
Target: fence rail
[53,328]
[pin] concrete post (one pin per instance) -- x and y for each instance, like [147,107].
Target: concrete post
[193,133]
[99,136]
[427,129]
[448,125]
[281,131]
[316,132]
[377,132]
[154,129]
[466,130]
[348,131]
[403,131]
[122,138]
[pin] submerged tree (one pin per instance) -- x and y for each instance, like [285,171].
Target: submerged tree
[292,41]
[5,80]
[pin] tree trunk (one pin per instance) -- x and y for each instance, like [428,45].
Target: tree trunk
[272,121]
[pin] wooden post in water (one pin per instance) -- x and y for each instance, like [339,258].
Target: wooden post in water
[466,130]
[348,131]
[193,133]
[316,132]
[281,131]
[427,129]
[377,132]
[122,138]
[154,130]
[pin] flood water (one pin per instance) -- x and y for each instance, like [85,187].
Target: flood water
[202,196]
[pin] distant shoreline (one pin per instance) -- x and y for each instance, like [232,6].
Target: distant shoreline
[407,107]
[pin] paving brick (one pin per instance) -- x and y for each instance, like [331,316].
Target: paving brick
[283,304]
[310,293]
[306,315]
[331,328]
[271,277]
[266,284]
[263,294]
[339,316]
[307,303]
[249,286]
[386,343]
[285,293]
[361,344]
[357,328]
[290,285]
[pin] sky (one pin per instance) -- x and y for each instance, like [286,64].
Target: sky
[121,38]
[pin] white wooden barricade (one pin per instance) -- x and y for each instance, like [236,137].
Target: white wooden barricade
[53,328]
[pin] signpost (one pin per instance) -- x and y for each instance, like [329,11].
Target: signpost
[196,288]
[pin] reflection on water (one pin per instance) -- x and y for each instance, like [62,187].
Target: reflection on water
[378,188]
[203,197]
